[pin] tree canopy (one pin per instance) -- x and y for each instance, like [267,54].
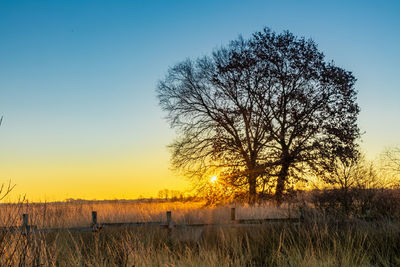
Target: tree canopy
[262,109]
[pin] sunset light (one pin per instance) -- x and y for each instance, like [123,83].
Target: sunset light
[148,133]
[107,138]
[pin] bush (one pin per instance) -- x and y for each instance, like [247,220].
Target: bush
[360,203]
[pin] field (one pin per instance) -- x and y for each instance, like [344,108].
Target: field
[318,241]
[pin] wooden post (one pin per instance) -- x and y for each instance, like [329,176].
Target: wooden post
[169,219]
[94,221]
[25,223]
[169,228]
[301,214]
[233,214]
[94,217]
[25,231]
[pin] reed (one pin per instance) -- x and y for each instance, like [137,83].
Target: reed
[319,241]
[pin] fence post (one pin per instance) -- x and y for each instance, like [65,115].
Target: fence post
[169,219]
[94,224]
[25,231]
[25,223]
[169,228]
[233,215]
[301,214]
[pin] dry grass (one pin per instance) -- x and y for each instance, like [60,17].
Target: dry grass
[64,214]
[322,243]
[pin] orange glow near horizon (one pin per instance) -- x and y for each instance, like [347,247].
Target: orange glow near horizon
[124,176]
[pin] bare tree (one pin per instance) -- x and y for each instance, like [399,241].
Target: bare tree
[164,194]
[265,107]
[5,189]
[392,159]
[347,174]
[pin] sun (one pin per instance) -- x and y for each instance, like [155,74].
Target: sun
[213,179]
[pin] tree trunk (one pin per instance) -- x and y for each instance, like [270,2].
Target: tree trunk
[252,189]
[280,184]
[346,202]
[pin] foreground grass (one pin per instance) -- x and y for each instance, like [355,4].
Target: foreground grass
[316,242]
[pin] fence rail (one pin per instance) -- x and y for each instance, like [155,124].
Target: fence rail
[95,226]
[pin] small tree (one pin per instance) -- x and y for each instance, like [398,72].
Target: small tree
[163,194]
[392,159]
[344,175]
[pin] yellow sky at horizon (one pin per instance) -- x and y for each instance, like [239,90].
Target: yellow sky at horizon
[125,176]
[108,173]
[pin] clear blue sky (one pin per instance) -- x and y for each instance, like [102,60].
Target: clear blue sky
[78,78]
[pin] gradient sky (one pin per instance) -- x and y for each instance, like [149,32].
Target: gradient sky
[78,78]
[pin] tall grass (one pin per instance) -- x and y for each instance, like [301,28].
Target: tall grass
[64,214]
[319,241]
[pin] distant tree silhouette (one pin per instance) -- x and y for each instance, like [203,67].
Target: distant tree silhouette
[347,174]
[5,190]
[265,108]
[392,159]
[163,194]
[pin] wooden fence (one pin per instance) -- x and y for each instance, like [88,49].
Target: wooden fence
[95,226]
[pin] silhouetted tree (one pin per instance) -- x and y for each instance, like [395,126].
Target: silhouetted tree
[163,194]
[269,106]
[392,159]
[346,174]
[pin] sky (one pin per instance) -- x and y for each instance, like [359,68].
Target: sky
[78,80]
